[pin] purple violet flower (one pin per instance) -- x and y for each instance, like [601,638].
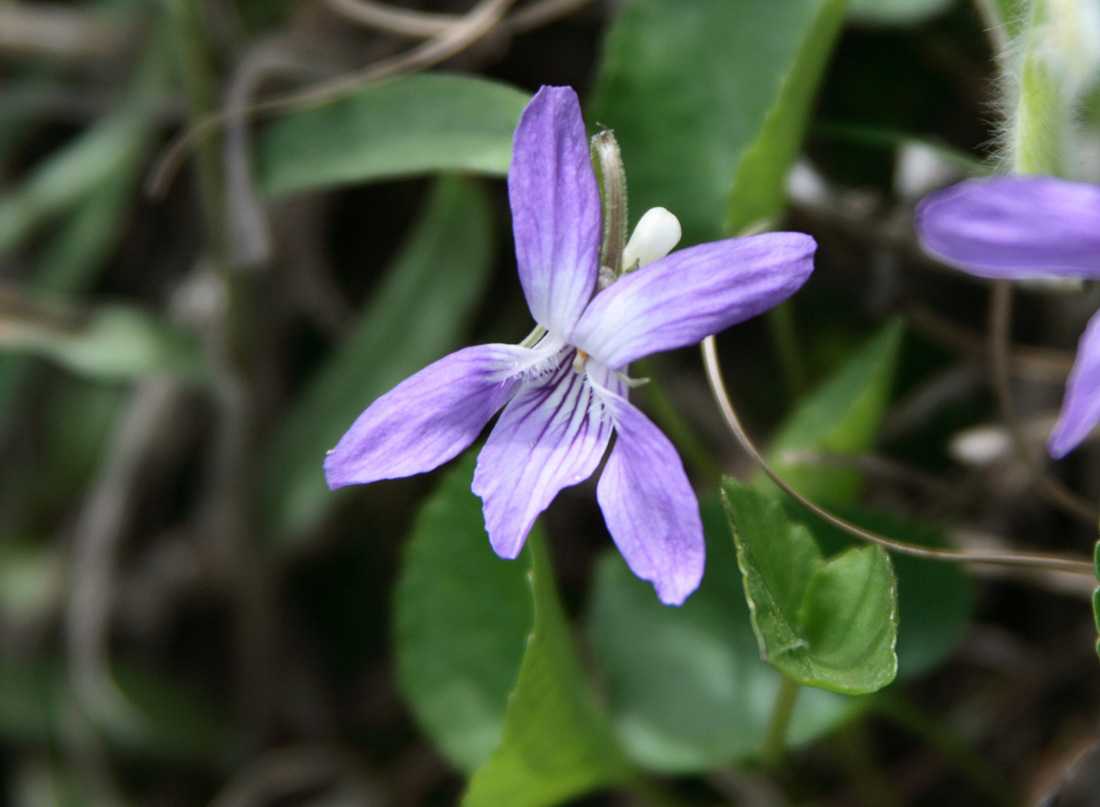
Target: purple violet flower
[565,390]
[1022,228]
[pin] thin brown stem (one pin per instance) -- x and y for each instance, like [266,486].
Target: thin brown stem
[1053,491]
[425,24]
[1034,561]
[470,28]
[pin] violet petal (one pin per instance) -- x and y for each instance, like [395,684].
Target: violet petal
[649,505]
[1014,227]
[547,438]
[556,215]
[1081,406]
[428,418]
[693,293]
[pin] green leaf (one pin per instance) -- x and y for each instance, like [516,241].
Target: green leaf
[688,85]
[461,620]
[829,624]
[557,742]
[759,186]
[417,125]
[173,721]
[935,599]
[72,173]
[417,315]
[896,12]
[841,417]
[111,342]
[686,686]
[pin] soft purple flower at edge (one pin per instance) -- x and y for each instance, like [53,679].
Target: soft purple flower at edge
[1014,228]
[1017,228]
[1081,406]
[562,398]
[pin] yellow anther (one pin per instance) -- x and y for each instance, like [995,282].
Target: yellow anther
[579,360]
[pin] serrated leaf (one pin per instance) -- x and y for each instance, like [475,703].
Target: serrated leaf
[417,125]
[759,194]
[935,599]
[687,86]
[686,686]
[418,314]
[461,621]
[839,631]
[841,416]
[557,742]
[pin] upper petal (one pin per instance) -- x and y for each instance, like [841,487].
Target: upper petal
[428,418]
[556,215]
[649,505]
[1081,406]
[693,293]
[1014,227]
[548,437]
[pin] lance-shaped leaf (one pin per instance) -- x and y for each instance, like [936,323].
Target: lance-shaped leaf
[713,73]
[486,660]
[557,742]
[841,416]
[422,124]
[829,624]
[461,620]
[758,195]
[418,313]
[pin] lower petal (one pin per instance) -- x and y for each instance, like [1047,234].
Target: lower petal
[1081,407]
[428,418]
[548,437]
[649,505]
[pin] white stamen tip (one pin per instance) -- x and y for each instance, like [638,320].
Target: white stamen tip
[657,234]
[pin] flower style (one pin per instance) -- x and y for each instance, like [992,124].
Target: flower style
[564,395]
[1021,228]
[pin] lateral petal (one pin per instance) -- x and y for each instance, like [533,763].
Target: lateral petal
[649,505]
[1014,228]
[556,216]
[691,294]
[1081,406]
[548,437]
[429,417]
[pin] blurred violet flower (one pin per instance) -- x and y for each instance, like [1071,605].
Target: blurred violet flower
[564,390]
[1025,228]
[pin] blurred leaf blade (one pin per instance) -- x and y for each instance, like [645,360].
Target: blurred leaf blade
[840,417]
[758,195]
[557,742]
[461,620]
[896,12]
[417,125]
[418,314]
[836,628]
[107,342]
[686,114]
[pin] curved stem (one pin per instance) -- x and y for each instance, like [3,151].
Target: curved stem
[1034,561]
[1053,491]
[467,30]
